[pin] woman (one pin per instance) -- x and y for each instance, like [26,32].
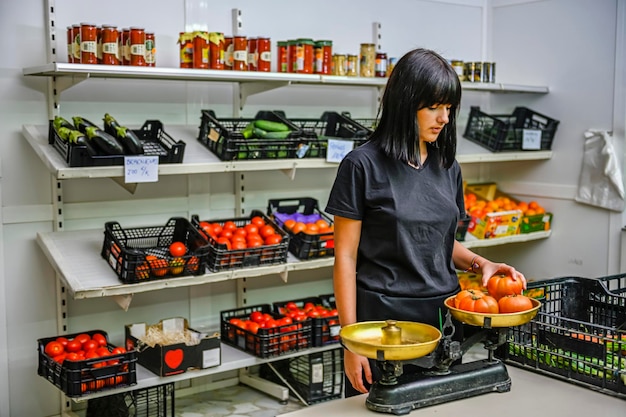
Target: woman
[396,203]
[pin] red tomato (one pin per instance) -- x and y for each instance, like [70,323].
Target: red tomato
[479,304]
[291,306]
[178,249]
[226,233]
[238,245]
[82,338]
[273,239]
[229,225]
[251,228]
[466,293]
[514,303]
[222,240]
[266,231]
[240,231]
[502,285]
[72,356]
[258,221]
[118,350]
[54,348]
[62,340]
[256,316]
[102,351]
[252,327]
[217,228]
[73,345]
[90,345]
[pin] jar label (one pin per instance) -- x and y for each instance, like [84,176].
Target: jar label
[109,48]
[265,56]
[138,49]
[89,46]
[240,55]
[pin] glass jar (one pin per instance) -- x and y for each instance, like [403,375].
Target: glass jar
[304,56]
[125,43]
[137,46]
[339,64]
[150,49]
[185,40]
[380,69]
[367,62]
[281,56]
[76,43]
[110,54]
[216,50]
[352,65]
[88,44]
[252,54]
[70,43]
[264,54]
[323,57]
[291,55]
[201,50]
[240,53]
[459,68]
[228,52]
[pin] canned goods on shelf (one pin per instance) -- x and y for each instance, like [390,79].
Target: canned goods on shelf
[472,71]
[352,65]
[216,50]
[304,56]
[252,54]
[150,49]
[125,42]
[459,68]
[240,53]
[291,55]
[281,56]
[99,44]
[185,40]
[264,54]
[488,74]
[323,51]
[339,64]
[137,46]
[110,51]
[201,50]
[367,62]
[88,44]
[70,44]
[380,69]
[391,64]
[76,43]
[228,52]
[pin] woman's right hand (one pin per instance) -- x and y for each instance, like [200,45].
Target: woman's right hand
[355,366]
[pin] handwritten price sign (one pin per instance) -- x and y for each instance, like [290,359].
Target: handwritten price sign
[337,149]
[141,169]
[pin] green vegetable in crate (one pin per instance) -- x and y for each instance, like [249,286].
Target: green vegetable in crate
[104,142]
[127,138]
[248,131]
[81,123]
[60,122]
[270,126]
[75,137]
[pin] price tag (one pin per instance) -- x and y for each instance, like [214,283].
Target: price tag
[531,139]
[338,149]
[141,169]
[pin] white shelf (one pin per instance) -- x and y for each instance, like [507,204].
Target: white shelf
[81,72]
[75,255]
[232,359]
[199,160]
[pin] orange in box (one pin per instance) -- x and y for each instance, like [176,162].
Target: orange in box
[496,214]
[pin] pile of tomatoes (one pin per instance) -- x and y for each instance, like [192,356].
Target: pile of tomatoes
[174,263]
[254,233]
[478,207]
[319,226]
[504,295]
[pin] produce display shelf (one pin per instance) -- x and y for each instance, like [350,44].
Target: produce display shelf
[79,72]
[198,160]
[75,255]
[232,359]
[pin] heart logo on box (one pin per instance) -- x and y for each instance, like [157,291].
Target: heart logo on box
[173,358]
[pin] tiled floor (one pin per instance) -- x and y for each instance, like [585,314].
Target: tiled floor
[236,401]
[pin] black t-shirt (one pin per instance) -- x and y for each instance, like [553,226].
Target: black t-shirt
[409,219]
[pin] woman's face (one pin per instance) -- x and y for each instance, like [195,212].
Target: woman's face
[431,121]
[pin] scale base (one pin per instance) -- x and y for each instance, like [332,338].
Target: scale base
[424,389]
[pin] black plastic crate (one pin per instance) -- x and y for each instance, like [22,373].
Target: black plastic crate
[312,378]
[156,142]
[221,258]
[579,334]
[82,377]
[224,137]
[142,253]
[367,122]
[506,132]
[331,125]
[324,321]
[269,342]
[303,245]
[156,401]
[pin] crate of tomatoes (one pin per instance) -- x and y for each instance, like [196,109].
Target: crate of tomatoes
[243,242]
[146,253]
[324,317]
[262,332]
[84,363]
[310,230]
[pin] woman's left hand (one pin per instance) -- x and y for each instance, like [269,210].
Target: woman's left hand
[490,269]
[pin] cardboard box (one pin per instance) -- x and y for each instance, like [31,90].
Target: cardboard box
[497,223]
[176,358]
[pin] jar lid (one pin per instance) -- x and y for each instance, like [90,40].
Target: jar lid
[306,41]
[281,43]
[324,43]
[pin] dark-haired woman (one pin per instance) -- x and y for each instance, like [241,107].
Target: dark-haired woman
[396,203]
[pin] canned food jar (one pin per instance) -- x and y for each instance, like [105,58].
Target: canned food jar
[281,56]
[323,57]
[137,46]
[150,49]
[291,55]
[380,69]
[201,50]
[240,53]
[76,43]
[391,64]
[70,43]
[185,40]
[488,74]
[228,52]
[352,65]
[252,54]
[99,44]
[477,72]
[110,54]
[264,54]
[472,72]
[339,65]
[304,56]
[125,45]
[459,68]
[216,50]
[88,44]
[367,63]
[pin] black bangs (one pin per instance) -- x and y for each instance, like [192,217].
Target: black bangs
[441,87]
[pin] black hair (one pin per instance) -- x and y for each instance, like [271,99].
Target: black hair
[421,78]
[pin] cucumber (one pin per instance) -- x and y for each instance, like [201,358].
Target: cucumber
[277,135]
[104,142]
[248,131]
[270,126]
[259,133]
[82,124]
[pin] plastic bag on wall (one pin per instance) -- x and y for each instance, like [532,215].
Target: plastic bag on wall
[600,182]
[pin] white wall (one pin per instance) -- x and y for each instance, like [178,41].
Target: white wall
[572,57]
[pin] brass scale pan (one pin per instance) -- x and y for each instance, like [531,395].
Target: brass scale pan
[418,339]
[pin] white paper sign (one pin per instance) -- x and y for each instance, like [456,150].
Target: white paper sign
[141,169]
[338,149]
[531,139]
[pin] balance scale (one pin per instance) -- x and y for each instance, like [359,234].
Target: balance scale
[437,374]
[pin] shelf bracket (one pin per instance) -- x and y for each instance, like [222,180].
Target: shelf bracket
[290,172]
[247,89]
[284,275]
[123,300]
[131,187]
[66,82]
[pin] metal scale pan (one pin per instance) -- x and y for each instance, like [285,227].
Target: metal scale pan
[438,374]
